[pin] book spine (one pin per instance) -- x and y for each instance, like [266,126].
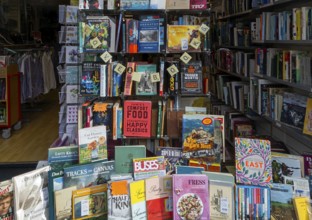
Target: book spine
[128,78]
[103,82]
[161,76]
[159,121]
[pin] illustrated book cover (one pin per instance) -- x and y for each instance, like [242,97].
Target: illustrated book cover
[190,196]
[134,4]
[145,86]
[91,4]
[188,170]
[89,203]
[179,37]
[31,199]
[60,157]
[72,92]
[102,114]
[138,200]
[253,161]
[173,158]
[191,77]
[63,203]
[87,175]
[148,41]
[158,192]
[302,207]
[307,127]
[6,200]
[148,167]
[137,118]
[119,206]
[55,182]
[92,144]
[124,156]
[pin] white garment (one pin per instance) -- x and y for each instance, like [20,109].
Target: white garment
[49,81]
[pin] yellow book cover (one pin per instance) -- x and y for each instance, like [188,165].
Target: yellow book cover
[137,197]
[179,37]
[307,125]
[90,202]
[302,208]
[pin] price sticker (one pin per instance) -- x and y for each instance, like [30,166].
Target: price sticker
[106,57]
[95,42]
[84,207]
[185,58]
[120,68]
[172,70]
[224,205]
[155,77]
[136,76]
[203,29]
[195,43]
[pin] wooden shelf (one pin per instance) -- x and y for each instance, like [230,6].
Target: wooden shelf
[233,74]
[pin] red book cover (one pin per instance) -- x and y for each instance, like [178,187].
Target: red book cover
[198,4]
[137,118]
[128,80]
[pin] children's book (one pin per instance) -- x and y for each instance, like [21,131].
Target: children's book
[145,86]
[191,77]
[173,158]
[137,118]
[307,127]
[149,166]
[119,206]
[253,161]
[87,175]
[138,200]
[190,196]
[6,200]
[124,156]
[63,203]
[158,192]
[281,202]
[90,79]
[92,144]
[102,114]
[56,180]
[90,202]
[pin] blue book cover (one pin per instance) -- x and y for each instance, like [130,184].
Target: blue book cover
[117,82]
[90,79]
[189,170]
[148,36]
[145,86]
[60,157]
[134,4]
[87,175]
[55,178]
[173,158]
[119,122]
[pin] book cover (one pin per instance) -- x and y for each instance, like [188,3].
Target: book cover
[137,118]
[189,170]
[149,166]
[31,199]
[128,78]
[302,208]
[300,186]
[119,206]
[253,161]
[55,182]
[95,34]
[148,36]
[190,196]
[71,14]
[134,4]
[87,175]
[92,144]
[63,203]
[179,37]
[102,114]
[117,81]
[71,55]
[90,202]
[91,4]
[198,4]
[173,158]
[60,157]
[191,77]
[6,200]
[145,86]
[138,200]
[281,202]
[158,192]
[124,156]
[132,35]
[307,157]
[90,79]
[72,94]
[307,125]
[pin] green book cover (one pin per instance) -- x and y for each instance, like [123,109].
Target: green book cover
[124,156]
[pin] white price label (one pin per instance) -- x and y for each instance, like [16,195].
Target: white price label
[136,76]
[120,68]
[106,57]
[185,58]
[195,43]
[203,29]
[172,70]
[224,205]
[95,42]
[155,77]
[84,207]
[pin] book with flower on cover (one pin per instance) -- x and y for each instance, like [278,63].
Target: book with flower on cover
[253,161]
[92,144]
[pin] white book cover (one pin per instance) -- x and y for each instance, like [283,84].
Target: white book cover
[71,14]
[72,94]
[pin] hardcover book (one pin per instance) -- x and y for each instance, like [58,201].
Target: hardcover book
[90,202]
[146,86]
[87,175]
[253,161]
[124,156]
[173,158]
[148,36]
[138,200]
[60,157]
[190,196]
[119,206]
[191,77]
[158,192]
[63,203]
[137,117]
[92,144]
[179,37]
[149,166]
[6,200]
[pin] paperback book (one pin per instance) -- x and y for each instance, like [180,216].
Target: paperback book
[56,180]
[6,200]
[63,203]
[145,86]
[60,157]
[307,127]
[90,79]
[138,200]
[91,4]
[191,77]
[173,158]
[148,36]
[148,167]
[92,144]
